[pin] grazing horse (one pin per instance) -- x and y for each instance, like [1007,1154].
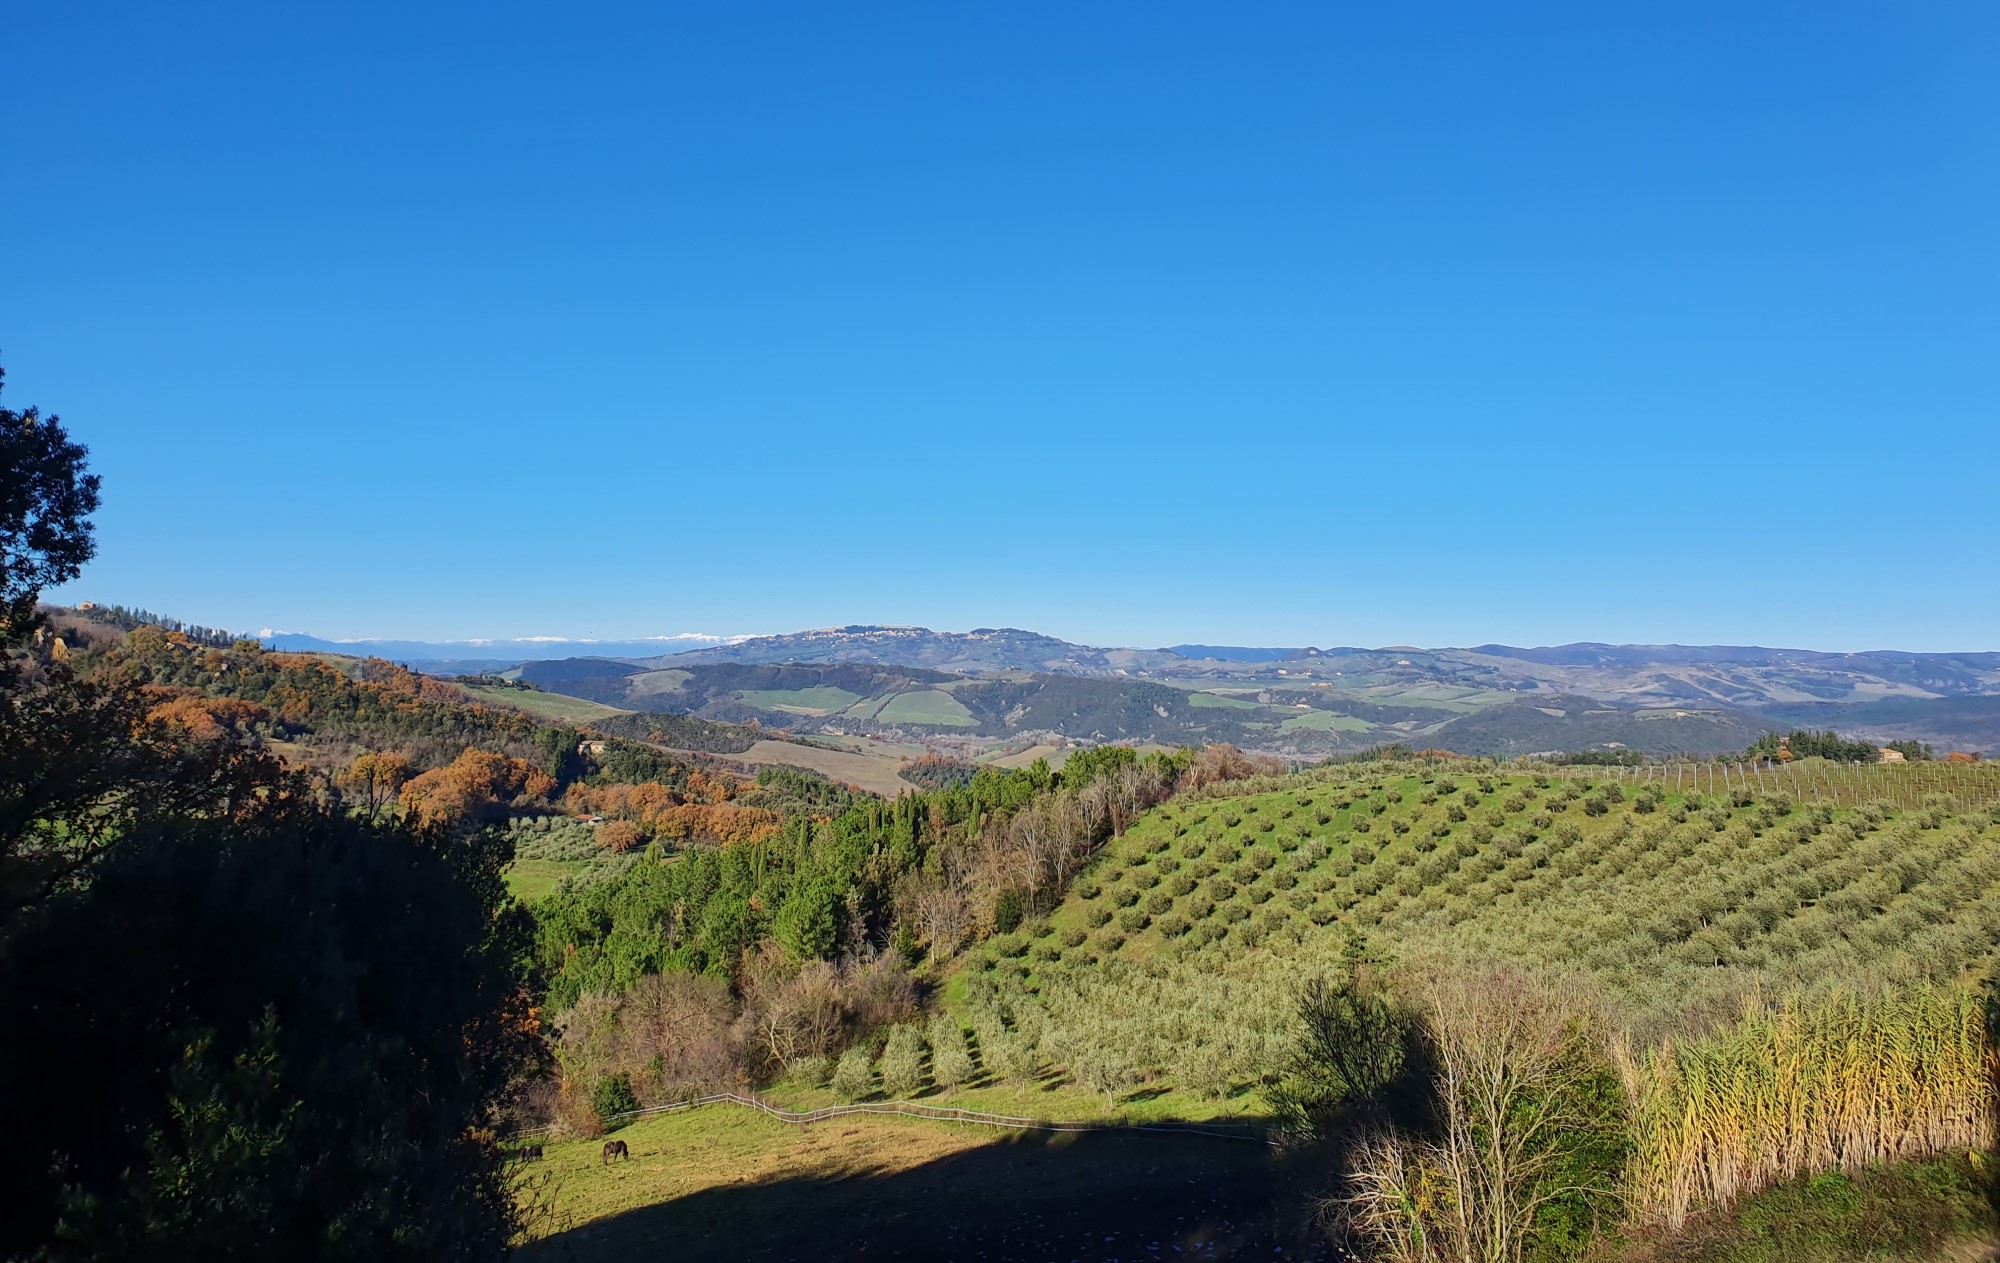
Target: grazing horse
[529,1153]
[615,1149]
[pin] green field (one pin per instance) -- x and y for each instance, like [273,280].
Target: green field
[529,880]
[819,700]
[654,684]
[555,706]
[1217,701]
[926,706]
[725,1183]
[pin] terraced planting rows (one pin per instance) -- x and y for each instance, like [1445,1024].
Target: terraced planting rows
[1179,952]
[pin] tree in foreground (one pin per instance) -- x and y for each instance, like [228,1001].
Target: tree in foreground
[283,1038]
[240,1023]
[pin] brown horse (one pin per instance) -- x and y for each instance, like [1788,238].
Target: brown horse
[615,1149]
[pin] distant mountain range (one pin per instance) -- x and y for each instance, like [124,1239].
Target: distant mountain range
[912,682]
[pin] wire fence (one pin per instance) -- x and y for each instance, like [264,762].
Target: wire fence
[912,1109]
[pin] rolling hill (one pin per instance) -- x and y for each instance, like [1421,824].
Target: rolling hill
[915,684]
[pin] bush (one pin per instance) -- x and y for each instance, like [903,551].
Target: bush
[854,1076]
[811,1072]
[1074,937]
[1097,915]
[1007,945]
[1173,925]
[903,1063]
[1007,911]
[1133,920]
[1158,903]
[613,1096]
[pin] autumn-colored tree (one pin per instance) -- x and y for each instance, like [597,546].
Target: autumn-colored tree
[474,785]
[208,718]
[619,836]
[376,779]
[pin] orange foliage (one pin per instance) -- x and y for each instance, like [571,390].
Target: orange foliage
[619,836]
[727,824]
[208,718]
[474,784]
[703,814]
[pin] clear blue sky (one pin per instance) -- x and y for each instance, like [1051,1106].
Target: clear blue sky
[1140,323]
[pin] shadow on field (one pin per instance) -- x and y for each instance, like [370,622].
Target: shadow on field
[1098,1195]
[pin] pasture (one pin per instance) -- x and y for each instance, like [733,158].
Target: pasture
[868,766]
[725,1183]
[926,706]
[556,706]
[819,700]
[529,880]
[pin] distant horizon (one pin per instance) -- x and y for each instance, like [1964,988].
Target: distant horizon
[694,642]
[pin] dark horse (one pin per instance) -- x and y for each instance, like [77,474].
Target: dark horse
[528,1153]
[616,1149]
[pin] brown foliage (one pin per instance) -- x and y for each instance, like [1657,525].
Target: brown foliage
[376,779]
[674,1034]
[619,836]
[702,814]
[817,1009]
[475,785]
[1219,763]
[208,719]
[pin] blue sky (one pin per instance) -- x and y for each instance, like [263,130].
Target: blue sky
[1130,323]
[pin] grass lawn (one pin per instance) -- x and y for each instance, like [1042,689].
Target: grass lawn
[926,706]
[820,699]
[528,880]
[547,705]
[1216,701]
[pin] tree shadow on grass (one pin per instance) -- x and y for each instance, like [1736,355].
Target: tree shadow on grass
[1109,1194]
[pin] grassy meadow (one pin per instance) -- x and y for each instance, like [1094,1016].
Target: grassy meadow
[556,706]
[727,1183]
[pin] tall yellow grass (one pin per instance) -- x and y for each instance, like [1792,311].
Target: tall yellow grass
[1837,1083]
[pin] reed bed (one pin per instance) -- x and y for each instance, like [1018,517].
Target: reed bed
[1839,1083]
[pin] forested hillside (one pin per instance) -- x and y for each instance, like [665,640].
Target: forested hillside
[1492,700]
[1298,719]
